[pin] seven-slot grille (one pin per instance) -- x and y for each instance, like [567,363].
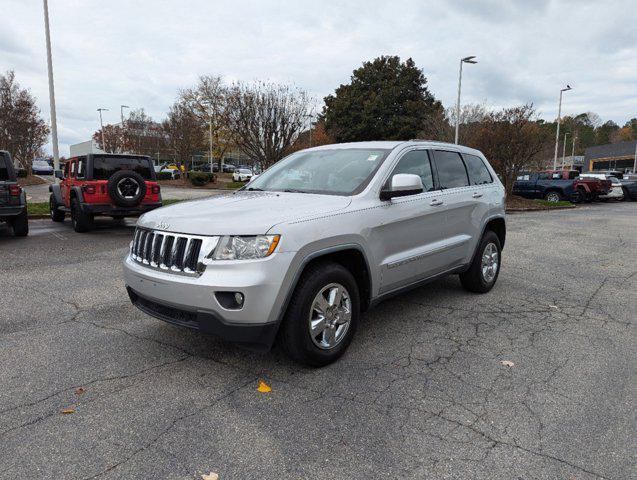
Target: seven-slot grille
[166,251]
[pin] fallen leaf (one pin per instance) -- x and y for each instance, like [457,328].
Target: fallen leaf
[79,391]
[67,411]
[210,476]
[554,306]
[507,363]
[264,387]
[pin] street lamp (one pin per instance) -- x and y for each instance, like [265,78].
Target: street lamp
[121,111]
[49,63]
[463,60]
[559,118]
[564,149]
[102,126]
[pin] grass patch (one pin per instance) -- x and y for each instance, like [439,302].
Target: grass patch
[42,208]
[234,185]
[562,203]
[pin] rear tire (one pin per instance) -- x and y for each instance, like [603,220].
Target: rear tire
[82,222]
[20,224]
[56,215]
[323,346]
[626,197]
[483,273]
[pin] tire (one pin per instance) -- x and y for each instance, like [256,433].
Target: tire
[476,279]
[56,215]
[82,222]
[579,196]
[126,188]
[626,197]
[20,224]
[320,279]
[553,196]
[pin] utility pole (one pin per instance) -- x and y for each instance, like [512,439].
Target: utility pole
[463,60]
[564,149]
[100,110]
[49,63]
[559,118]
[121,112]
[573,151]
[210,141]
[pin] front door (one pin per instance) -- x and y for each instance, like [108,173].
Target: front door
[409,234]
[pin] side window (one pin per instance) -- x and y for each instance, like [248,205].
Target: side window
[544,176]
[451,170]
[524,176]
[73,164]
[416,162]
[478,172]
[80,167]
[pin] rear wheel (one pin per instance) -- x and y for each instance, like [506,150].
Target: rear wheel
[553,197]
[82,222]
[485,267]
[322,317]
[20,224]
[626,197]
[56,215]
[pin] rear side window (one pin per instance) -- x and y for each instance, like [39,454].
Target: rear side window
[478,172]
[4,170]
[451,170]
[104,167]
[416,162]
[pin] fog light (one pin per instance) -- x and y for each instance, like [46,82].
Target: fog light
[230,300]
[238,297]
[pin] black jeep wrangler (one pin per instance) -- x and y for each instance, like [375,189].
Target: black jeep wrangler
[13,200]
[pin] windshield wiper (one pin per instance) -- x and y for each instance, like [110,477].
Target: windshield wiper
[254,189]
[294,190]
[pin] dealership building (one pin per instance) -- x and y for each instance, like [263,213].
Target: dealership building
[620,156]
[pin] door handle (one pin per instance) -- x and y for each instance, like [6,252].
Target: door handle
[435,203]
[477,195]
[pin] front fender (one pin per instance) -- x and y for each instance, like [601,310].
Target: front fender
[57,193]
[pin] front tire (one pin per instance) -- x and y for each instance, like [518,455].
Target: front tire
[56,215]
[20,224]
[485,267]
[323,315]
[553,197]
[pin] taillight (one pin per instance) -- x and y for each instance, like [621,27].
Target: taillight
[15,190]
[155,189]
[90,189]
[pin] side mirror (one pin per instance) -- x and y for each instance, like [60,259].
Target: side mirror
[402,184]
[59,174]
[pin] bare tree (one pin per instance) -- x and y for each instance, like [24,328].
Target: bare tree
[440,125]
[142,134]
[184,133]
[512,140]
[266,119]
[209,100]
[114,140]
[22,131]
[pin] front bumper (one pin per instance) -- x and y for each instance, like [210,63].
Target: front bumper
[190,301]
[108,209]
[616,192]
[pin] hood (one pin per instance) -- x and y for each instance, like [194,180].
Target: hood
[240,213]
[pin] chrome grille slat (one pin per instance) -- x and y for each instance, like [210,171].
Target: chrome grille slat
[171,252]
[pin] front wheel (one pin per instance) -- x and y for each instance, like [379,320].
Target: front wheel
[553,197]
[322,317]
[485,267]
[56,215]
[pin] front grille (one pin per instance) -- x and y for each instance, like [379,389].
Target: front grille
[172,252]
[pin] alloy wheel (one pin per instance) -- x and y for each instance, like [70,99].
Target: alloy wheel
[330,316]
[490,260]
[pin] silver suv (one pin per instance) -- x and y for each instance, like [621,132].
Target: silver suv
[299,252]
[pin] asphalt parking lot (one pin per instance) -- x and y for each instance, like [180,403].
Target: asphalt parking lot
[421,393]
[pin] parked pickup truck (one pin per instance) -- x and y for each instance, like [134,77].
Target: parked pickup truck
[557,185]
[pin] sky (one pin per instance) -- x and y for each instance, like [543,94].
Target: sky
[140,53]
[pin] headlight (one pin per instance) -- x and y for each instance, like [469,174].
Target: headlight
[244,248]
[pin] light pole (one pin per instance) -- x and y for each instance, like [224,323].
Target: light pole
[463,60]
[557,133]
[564,149]
[49,63]
[121,112]
[309,116]
[210,141]
[573,150]
[102,126]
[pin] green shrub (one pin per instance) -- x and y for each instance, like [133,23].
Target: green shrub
[164,176]
[199,179]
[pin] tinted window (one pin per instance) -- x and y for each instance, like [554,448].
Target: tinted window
[478,172]
[416,162]
[80,167]
[451,170]
[104,167]
[544,176]
[4,170]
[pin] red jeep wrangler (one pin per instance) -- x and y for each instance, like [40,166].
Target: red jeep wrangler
[104,184]
[585,189]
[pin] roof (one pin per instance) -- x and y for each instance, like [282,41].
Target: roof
[612,150]
[391,144]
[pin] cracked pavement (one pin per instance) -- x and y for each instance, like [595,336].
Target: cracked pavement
[421,393]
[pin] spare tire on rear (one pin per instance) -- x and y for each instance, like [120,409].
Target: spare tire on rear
[126,188]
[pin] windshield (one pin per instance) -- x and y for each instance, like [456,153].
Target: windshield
[332,172]
[4,170]
[105,166]
[243,170]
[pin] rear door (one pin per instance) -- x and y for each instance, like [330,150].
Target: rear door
[457,194]
[409,235]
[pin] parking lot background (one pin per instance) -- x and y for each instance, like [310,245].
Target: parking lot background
[421,393]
